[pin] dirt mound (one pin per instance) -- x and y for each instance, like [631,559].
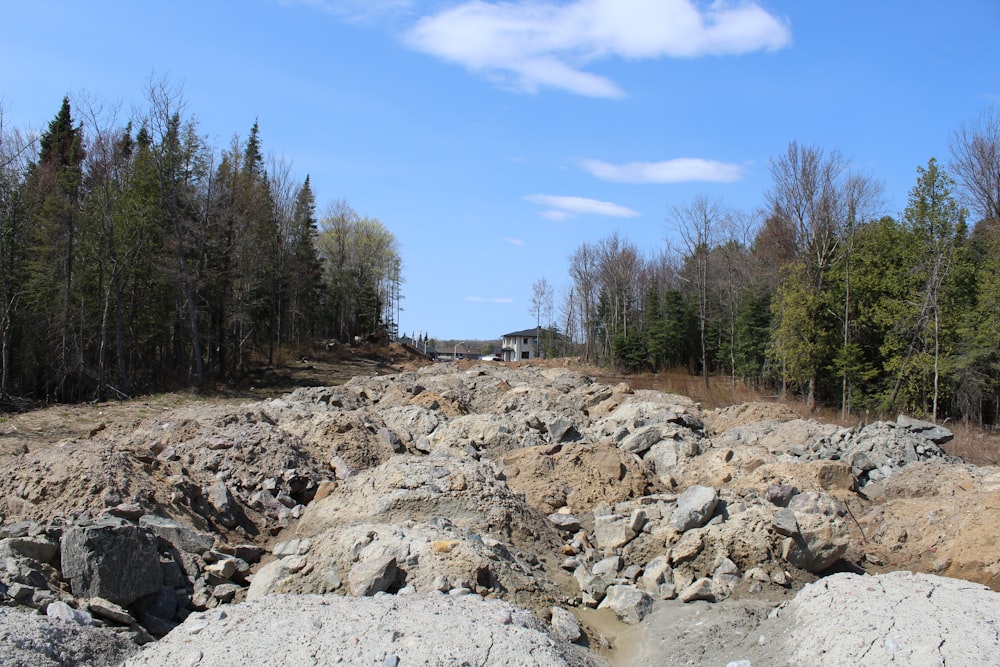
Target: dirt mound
[937,518]
[576,477]
[723,419]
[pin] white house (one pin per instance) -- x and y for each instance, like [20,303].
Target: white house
[519,345]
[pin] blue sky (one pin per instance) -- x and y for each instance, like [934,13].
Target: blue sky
[494,138]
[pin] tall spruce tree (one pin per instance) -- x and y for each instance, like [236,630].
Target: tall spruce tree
[56,182]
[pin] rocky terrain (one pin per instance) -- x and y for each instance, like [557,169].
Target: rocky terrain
[492,514]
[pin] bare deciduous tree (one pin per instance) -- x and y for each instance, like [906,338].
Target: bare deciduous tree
[698,225]
[975,160]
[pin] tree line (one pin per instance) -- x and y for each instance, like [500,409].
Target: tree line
[818,292]
[135,255]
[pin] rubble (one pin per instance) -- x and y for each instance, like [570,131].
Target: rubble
[540,487]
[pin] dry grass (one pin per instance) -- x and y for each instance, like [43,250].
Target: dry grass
[974,444]
[719,393]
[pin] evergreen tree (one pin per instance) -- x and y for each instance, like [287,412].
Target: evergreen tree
[56,184]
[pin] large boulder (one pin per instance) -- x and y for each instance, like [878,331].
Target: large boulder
[120,563]
[694,507]
[899,618]
[319,630]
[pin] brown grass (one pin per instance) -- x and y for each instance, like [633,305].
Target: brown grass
[974,444]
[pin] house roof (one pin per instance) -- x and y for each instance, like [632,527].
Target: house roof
[527,333]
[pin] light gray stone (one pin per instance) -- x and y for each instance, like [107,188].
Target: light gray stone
[821,542]
[37,548]
[694,508]
[222,501]
[566,522]
[59,610]
[565,625]
[372,576]
[657,579]
[109,611]
[612,531]
[177,534]
[628,603]
[701,589]
[638,442]
[939,435]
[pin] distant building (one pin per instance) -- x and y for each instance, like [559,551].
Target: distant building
[519,345]
[458,352]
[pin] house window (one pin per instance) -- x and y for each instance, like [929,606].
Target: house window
[526,355]
[525,341]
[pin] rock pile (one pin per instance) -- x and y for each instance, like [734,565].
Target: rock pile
[464,490]
[142,576]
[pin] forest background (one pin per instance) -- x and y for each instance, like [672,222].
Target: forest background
[134,255]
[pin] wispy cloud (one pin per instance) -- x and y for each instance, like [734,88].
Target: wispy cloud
[360,11]
[561,208]
[678,170]
[513,241]
[482,299]
[526,45]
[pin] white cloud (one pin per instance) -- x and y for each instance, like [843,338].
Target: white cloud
[562,208]
[513,241]
[528,45]
[679,170]
[480,299]
[556,215]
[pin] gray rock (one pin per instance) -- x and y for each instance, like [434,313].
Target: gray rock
[628,603]
[593,585]
[341,468]
[781,494]
[566,522]
[784,522]
[813,502]
[608,567]
[298,546]
[861,462]
[939,435]
[657,579]
[694,508]
[226,593]
[639,441]
[391,440]
[324,630]
[177,534]
[109,611]
[119,563]
[222,501]
[701,589]
[372,576]
[612,531]
[663,455]
[565,625]
[37,548]
[726,577]
[562,429]
[61,611]
[821,542]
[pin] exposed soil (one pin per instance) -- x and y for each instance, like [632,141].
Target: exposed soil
[930,517]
